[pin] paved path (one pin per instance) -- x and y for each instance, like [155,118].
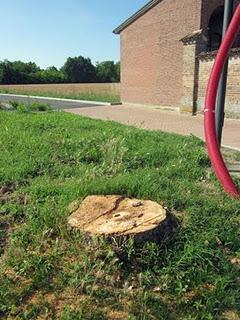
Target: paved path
[54,102]
[156,119]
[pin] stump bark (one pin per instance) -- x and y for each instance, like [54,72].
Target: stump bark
[118,217]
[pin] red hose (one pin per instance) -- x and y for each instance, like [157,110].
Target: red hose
[210,103]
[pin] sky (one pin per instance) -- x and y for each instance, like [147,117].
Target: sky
[49,31]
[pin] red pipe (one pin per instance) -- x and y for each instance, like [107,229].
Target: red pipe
[210,103]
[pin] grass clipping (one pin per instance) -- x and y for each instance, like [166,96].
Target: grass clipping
[118,217]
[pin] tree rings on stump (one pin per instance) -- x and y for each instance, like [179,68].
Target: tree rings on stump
[118,217]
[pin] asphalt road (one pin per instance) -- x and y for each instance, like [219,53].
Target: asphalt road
[54,103]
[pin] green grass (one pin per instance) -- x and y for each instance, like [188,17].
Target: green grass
[80,96]
[49,271]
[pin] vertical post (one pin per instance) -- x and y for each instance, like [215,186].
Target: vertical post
[220,114]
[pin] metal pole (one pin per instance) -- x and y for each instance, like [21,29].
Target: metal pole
[220,114]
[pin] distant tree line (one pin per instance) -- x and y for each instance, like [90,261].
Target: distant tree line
[75,70]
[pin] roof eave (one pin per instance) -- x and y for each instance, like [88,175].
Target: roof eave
[135,16]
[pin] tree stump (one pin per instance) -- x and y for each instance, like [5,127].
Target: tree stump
[118,217]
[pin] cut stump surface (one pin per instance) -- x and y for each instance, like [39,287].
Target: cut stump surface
[117,216]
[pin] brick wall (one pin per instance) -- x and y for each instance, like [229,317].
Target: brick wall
[152,54]
[157,68]
[196,70]
[190,78]
[233,92]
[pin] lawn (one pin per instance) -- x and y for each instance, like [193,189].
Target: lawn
[75,96]
[92,92]
[48,271]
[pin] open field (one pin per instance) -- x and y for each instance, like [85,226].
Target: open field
[48,271]
[106,92]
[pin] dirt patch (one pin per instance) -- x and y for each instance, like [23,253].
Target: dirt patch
[235,261]
[8,195]
[6,192]
[115,315]
[57,301]
[197,292]
[230,315]
[4,232]
[7,188]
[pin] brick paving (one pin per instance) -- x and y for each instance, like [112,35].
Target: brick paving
[157,119]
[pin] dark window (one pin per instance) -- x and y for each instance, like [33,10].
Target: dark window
[215,29]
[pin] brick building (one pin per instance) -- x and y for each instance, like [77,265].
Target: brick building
[167,50]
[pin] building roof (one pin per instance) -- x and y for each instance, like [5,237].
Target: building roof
[195,35]
[136,15]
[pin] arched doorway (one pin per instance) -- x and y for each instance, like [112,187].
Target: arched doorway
[215,29]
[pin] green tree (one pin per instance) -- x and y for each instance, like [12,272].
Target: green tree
[6,73]
[17,72]
[118,71]
[50,75]
[108,71]
[79,70]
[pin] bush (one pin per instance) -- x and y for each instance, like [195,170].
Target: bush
[14,104]
[31,107]
[38,106]
[22,108]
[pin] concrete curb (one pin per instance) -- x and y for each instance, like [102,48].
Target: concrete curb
[231,148]
[60,99]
